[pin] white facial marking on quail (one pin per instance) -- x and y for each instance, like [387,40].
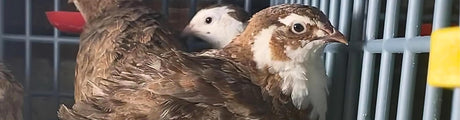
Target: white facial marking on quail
[261,47]
[291,18]
[320,33]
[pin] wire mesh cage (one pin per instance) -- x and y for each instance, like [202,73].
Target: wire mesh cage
[380,75]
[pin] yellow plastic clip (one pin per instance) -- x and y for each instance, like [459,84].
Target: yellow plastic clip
[444,61]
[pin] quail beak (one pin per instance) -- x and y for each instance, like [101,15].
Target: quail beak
[187,31]
[336,36]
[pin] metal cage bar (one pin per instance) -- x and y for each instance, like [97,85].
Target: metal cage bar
[334,70]
[307,2]
[247,5]
[165,8]
[276,2]
[324,6]
[455,99]
[345,16]
[455,105]
[409,63]
[334,67]
[387,62]
[367,74]
[398,45]
[27,57]
[334,12]
[332,103]
[315,3]
[43,39]
[343,27]
[354,61]
[56,59]
[192,9]
[299,2]
[433,95]
[2,9]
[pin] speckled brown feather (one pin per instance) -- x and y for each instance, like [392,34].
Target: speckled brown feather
[11,96]
[105,36]
[127,68]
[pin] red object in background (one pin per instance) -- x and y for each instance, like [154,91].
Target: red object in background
[426,29]
[69,22]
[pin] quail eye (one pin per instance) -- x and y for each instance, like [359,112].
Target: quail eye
[208,20]
[298,28]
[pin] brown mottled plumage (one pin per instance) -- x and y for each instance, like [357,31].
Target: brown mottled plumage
[11,96]
[128,68]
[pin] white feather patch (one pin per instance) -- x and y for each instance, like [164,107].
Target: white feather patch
[314,88]
[261,47]
[288,20]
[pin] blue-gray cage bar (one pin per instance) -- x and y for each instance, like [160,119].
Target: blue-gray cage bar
[455,115]
[409,63]
[354,61]
[56,59]
[367,74]
[1,28]
[334,8]
[28,55]
[433,95]
[456,98]
[387,61]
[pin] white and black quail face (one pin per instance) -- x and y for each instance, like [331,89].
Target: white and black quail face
[288,40]
[287,33]
[217,24]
